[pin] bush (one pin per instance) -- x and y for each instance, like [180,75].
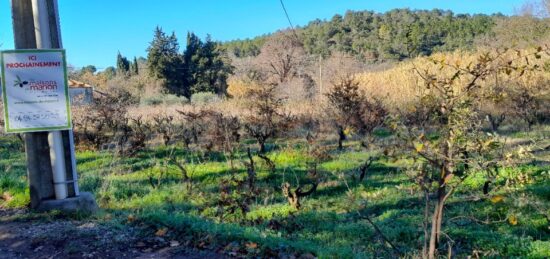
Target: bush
[170,99]
[167,99]
[238,87]
[350,110]
[204,98]
[151,101]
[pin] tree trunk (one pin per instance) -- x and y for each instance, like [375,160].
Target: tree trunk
[426,223]
[495,121]
[437,217]
[436,223]
[261,144]
[341,138]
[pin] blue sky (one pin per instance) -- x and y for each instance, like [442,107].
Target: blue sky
[94,31]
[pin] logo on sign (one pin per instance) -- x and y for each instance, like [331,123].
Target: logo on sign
[20,82]
[39,85]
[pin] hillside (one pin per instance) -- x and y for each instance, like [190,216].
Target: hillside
[394,35]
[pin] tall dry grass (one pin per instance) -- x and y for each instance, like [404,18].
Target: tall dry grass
[399,86]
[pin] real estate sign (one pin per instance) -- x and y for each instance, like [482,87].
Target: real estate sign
[35,90]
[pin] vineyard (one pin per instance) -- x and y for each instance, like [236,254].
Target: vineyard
[261,155]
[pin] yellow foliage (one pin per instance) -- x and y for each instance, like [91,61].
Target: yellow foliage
[161,232]
[419,147]
[497,198]
[348,131]
[513,220]
[238,88]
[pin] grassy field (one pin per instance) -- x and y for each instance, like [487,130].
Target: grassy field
[511,221]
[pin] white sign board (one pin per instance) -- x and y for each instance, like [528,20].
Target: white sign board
[35,90]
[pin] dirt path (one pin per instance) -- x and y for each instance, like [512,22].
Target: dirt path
[83,239]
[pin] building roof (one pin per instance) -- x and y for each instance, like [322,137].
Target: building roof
[78,84]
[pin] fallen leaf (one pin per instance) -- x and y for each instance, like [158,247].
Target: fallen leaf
[497,198]
[513,220]
[131,218]
[251,245]
[161,232]
[419,147]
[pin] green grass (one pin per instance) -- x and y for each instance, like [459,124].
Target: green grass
[13,185]
[331,222]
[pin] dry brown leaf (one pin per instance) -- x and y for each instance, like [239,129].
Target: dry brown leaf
[448,178]
[7,196]
[202,244]
[251,245]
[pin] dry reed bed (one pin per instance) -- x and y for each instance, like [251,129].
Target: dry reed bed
[398,86]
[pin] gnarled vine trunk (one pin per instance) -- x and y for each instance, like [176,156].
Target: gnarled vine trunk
[437,217]
[341,138]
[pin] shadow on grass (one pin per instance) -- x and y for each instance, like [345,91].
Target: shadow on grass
[195,228]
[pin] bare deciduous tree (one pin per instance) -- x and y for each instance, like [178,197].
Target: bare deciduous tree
[528,103]
[281,57]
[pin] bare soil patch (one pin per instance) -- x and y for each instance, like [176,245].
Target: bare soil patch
[63,238]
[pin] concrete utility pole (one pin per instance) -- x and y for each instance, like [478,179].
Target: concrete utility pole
[50,156]
[36,144]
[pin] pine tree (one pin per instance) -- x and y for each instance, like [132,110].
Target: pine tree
[165,62]
[88,69]
[134,67]
[203,66]
[207,65]
[122,64]
[191,58]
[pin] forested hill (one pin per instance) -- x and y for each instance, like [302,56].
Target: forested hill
[394,35]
